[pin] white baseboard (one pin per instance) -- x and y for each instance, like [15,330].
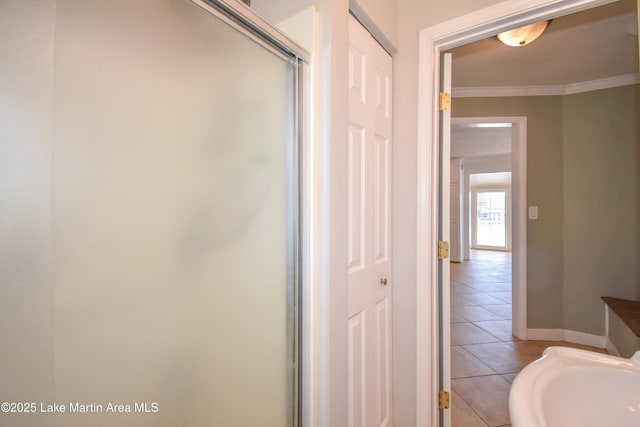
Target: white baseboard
[586,339]
[569,336]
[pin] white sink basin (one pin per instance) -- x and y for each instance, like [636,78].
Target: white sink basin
[570,387]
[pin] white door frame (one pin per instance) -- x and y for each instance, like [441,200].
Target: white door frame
[432,41]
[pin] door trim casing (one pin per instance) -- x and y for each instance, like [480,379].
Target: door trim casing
[432,41]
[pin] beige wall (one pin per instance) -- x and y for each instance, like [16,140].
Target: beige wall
[544,178]
[600,148]
[26,296]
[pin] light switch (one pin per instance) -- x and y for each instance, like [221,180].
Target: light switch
[533,212]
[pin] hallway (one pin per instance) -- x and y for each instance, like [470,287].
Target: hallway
[485,356]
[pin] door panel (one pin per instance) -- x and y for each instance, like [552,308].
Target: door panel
[357,381]
[383,356]
[381,200]
[369,231]
[356,211]
[444,234]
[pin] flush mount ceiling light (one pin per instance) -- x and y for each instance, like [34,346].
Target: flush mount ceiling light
[524,35]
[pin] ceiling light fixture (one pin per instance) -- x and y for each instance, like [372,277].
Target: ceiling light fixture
[524,35]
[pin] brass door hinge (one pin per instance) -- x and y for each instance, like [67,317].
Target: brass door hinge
[445,101]
[443,249]
[444,400]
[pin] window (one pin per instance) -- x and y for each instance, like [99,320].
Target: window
[491,218]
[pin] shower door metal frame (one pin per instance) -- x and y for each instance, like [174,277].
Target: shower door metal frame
[245,20]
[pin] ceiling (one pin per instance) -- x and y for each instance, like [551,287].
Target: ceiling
[599,43]
[494,178]
[475,141]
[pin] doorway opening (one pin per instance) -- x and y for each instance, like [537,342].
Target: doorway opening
[492,154]
[433,41]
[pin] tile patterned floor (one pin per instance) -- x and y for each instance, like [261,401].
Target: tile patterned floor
[485,357]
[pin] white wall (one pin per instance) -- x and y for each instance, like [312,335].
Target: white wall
[330,97]
[488,164]
[475,141]
[332,73]
[276,11]
[380,17]
[382,14]
[26,297]
[413,15]
[329,74]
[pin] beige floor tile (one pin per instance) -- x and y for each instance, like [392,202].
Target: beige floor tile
[464,364]
[458,300]
[472,281]
[481,293]
[497,328]
[457,318]
[489,287]
[502,357]
[501,310]
[488,396]
[502,296]
[468,333]
[584,347]
[462,415]
[535,348]
[509,377]
[474,313]
[485,299]
[459,288]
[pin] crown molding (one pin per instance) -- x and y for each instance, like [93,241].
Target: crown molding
[626,80]
[496,91]
[569,89]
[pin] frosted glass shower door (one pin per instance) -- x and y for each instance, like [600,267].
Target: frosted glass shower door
[173,216]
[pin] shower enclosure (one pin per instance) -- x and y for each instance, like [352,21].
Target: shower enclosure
[173,265]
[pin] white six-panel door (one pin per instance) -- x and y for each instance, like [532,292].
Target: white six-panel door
[369,231]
